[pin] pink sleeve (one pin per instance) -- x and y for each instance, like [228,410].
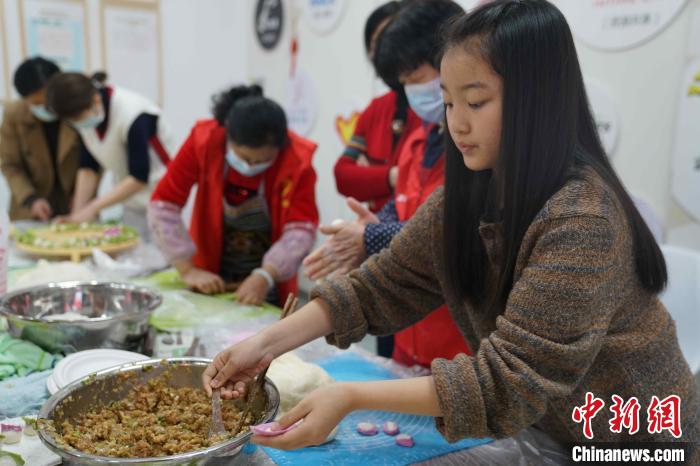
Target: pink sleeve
[169,232]
[290,249]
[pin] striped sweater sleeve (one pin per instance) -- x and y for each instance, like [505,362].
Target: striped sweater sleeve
[391,290]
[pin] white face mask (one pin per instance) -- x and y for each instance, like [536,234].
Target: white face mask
[426,100]
[42,113]
[243,167]
[96,117]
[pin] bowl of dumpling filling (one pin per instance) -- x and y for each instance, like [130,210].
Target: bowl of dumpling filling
[152,412]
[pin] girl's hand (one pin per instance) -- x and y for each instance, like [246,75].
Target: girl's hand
[322,410]
[236,366]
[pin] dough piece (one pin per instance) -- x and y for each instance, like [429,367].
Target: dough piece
[295,379]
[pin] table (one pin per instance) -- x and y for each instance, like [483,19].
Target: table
[180,332]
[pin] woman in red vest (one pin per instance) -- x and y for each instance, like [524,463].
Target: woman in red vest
[367,169]
[421,169]
[255,214]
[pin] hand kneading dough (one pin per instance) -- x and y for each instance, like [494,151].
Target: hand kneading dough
[295,379]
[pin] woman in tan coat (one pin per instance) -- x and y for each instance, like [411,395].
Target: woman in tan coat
[38,153]
[547,268]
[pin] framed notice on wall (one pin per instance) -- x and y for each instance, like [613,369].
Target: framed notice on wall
[131,46]
[57,30]
[4,67]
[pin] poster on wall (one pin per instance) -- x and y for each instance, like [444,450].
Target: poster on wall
[57,30]
[685,180]
[131,41]
[269,19]
[301,104]
[619,25]
[607,117]
[323,16]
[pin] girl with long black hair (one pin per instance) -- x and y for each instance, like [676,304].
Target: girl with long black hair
[546,265]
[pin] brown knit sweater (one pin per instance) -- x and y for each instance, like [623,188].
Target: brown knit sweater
[577,320]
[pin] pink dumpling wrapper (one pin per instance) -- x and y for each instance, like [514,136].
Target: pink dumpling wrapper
[367,428]
[391,428]
[404,440]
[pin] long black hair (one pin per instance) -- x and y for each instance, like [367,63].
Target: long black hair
[547,130]
[250,118]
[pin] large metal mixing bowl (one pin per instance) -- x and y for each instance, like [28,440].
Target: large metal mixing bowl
[116,315]
[109,385]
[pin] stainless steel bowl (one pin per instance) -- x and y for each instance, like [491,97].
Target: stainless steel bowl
[100,389]
[116,315]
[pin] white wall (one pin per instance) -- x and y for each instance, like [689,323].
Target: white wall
[344,81]
[204,50]
[644,82]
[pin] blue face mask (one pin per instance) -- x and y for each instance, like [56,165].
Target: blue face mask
[426,100]
[42,113]
[92,121]
[243,167]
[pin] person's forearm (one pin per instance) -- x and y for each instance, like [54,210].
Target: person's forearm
[362,183]
[282,260]
[170,234]
[121,192]
[85,187]
[308,323]
[408,396]
[183,266]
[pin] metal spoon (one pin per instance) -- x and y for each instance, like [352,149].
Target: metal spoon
[217,424]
